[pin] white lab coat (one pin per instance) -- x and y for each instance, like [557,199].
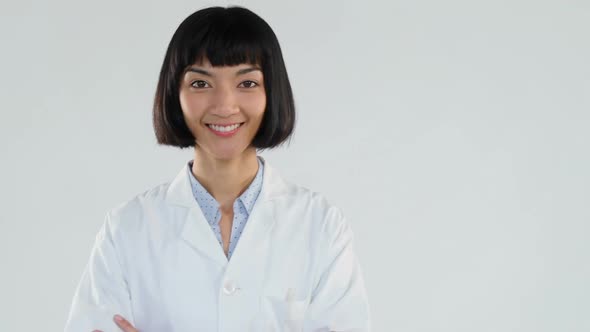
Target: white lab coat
[157,262]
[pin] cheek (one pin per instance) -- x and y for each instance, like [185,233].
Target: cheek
[192,107]
[256,105]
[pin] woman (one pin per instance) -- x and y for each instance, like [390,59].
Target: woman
[228,245]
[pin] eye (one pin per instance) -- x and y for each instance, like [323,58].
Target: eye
[199,84]
[249,84]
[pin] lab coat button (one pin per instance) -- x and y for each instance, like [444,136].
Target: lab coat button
[229,287]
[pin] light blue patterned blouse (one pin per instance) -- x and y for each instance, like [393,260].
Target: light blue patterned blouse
[242,206]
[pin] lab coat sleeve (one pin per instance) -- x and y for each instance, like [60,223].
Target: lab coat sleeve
[339,300]
[102,291]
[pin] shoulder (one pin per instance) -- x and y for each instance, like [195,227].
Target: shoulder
[286,190]
[307,196]
[315,207]
[131,212]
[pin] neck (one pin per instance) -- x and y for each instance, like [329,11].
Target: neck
[225,179]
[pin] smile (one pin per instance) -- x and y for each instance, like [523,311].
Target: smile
[225,131]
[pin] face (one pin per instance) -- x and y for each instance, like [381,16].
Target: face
[223,107]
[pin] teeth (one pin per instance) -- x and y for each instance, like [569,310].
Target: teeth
[224,129]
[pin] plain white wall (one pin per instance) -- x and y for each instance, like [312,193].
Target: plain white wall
[454,135]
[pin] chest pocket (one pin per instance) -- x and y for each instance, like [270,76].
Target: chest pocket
[284,313]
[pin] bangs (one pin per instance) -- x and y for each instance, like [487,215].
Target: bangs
[224,41]
[226,50]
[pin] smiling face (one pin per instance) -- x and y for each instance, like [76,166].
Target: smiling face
[223,107]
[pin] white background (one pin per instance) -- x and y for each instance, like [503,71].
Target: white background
[453,134]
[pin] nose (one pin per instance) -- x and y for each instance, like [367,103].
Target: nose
[224,102]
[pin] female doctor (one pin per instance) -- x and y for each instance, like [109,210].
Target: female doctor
[228,245]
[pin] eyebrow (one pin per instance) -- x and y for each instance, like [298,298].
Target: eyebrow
[206,73]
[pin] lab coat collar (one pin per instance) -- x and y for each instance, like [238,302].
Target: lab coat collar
[198,234]
[180,193]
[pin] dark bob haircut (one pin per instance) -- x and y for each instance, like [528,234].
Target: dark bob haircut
[226,37]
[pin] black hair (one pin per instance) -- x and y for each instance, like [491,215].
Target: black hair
[226,37]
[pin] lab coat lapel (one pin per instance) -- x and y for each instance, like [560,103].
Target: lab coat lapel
[196,231]
[199,235]
[261,220]
[254,236]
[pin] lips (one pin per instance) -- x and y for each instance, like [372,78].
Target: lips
[225,130]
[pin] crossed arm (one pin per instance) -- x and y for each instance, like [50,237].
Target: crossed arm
[123,324]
